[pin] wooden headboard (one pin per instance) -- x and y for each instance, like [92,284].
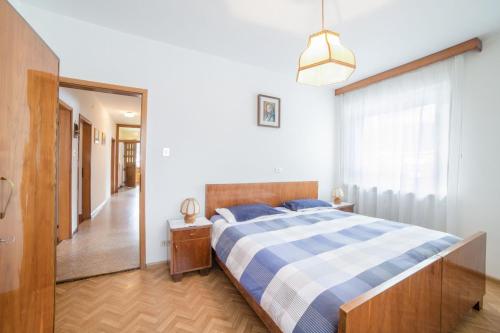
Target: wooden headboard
[273,194]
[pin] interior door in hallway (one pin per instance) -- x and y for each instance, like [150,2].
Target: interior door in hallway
[64,165]
[28,141]
[113,167]
[86,168]
[130,163]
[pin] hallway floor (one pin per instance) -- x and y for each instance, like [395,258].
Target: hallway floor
[107,243]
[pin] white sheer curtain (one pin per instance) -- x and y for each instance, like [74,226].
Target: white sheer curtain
[394,145]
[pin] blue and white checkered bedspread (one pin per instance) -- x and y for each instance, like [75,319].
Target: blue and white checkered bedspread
[301,267]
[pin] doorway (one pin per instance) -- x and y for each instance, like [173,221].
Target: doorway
[105,223]
[85,168]
[113,166]
[64,166]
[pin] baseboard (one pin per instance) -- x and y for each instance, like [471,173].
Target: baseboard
[492,279]
[98,208]
[157,263]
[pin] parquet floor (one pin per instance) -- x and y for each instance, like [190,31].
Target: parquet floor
[148,301]
[107,243]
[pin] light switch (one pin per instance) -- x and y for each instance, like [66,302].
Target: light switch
[278,170]
[166,152]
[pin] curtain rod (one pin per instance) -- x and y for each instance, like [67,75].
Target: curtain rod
[474,44]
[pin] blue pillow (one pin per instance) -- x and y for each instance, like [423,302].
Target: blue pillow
[243,213]
[300,204]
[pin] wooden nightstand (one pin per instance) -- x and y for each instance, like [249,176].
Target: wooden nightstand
[344,206]
[190,248]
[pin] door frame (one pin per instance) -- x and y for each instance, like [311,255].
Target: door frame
[113,165]
[65,106]
[127,91]
[118,126]
[82,119]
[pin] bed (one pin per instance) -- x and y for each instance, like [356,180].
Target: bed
[332,271]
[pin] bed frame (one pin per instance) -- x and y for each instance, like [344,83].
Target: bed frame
[432,296]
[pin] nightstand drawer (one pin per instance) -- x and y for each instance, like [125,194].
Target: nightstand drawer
[186,234]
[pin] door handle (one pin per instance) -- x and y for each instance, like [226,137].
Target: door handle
[3,208]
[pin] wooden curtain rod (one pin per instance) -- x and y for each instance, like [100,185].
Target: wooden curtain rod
[474,44]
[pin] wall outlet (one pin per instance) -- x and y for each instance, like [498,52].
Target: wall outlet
[163,243]
[278,170]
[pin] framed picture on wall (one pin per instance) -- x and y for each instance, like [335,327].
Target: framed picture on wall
[268,111]
[103,138]
[96,135]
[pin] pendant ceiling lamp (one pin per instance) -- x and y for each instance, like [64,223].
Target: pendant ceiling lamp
[325,60]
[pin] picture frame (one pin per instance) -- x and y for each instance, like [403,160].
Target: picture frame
[268,111]
[96,135]
[103,138]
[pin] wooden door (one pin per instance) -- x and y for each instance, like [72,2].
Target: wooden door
[130,166]
[28,125]
[64,165]
[86,137]
[113,168]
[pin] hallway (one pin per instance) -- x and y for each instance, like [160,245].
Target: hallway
[107,243]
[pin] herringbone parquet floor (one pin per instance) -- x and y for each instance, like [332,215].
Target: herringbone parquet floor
[148,301]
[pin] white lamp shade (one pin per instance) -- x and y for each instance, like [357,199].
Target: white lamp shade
[325,60]
[339,193]
[190,206]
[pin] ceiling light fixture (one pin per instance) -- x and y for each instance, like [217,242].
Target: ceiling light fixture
[129,114]
[325,60]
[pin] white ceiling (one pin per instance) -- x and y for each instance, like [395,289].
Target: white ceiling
[272,34]
[115,105]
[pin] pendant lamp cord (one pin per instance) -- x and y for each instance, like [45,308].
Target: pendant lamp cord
[322,14]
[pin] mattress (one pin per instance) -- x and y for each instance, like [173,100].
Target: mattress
[302,266]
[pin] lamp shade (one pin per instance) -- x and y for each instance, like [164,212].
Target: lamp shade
[190,208]
[325,60]
[338,195]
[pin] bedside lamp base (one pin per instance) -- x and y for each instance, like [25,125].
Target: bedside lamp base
[189,218]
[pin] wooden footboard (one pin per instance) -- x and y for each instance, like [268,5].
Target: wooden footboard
[410,302]
[464,282]
[431,297]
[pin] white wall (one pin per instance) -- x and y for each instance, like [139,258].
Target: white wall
[479,181]
[82,103]
[204,108]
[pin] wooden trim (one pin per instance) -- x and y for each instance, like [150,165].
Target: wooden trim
[126,125]
[474,44]
[127,91]
[82,118]
[273,194]
[113,166]
[64,105]
[130,141]
[142,188]
[492,279]
[67,82]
